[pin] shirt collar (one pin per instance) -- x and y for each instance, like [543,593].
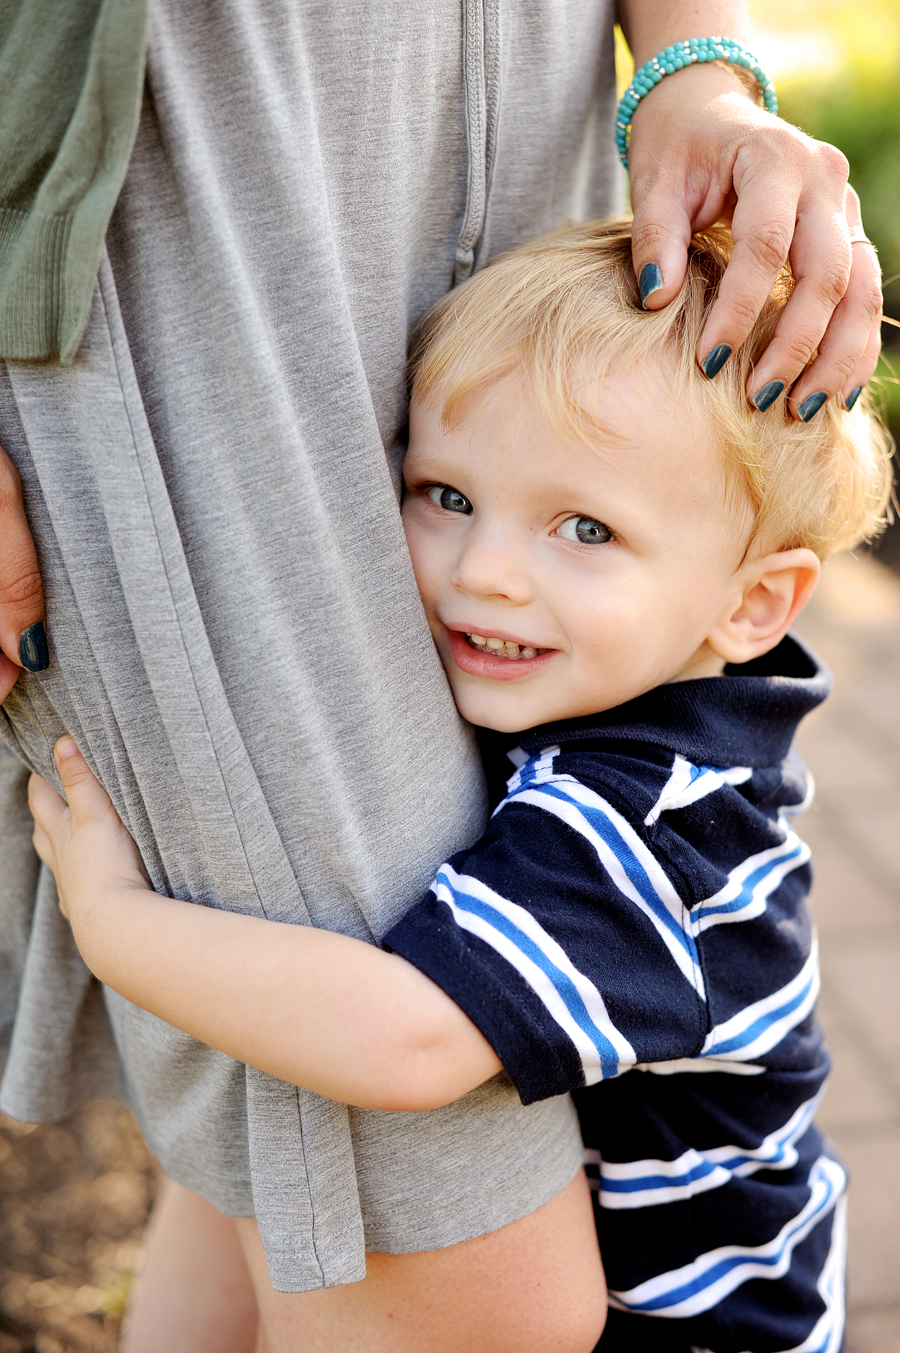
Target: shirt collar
[746,717]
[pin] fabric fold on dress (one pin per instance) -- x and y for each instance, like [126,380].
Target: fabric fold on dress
[236,640]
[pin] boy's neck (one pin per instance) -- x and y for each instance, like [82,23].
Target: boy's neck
[704,663]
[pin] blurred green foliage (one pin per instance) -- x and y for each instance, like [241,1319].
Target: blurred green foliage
[855,104]
[837,71]
[850,96]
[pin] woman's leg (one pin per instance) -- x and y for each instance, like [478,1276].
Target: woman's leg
[195,1294]
[535,1284]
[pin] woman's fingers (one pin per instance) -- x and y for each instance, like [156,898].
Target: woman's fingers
[9,675]
[827,338]
[790,204]
[680,174]
[660,234]
[22,635]
[848,351]
[708,155]
[864,370]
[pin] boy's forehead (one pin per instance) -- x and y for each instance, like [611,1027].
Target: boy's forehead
[625,415]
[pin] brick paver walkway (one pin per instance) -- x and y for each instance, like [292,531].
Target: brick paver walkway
[853,747]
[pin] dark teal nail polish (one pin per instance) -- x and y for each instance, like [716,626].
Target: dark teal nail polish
[766,397]
[715,359]
[651,280]
[811,406]
[33,652]
[852,398]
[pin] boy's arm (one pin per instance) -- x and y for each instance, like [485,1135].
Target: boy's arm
[317,1009]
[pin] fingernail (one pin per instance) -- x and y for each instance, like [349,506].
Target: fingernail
[811,406]
[33,652]
[65,747]
[852,398]
[651,280]
[715,359]
[766,397]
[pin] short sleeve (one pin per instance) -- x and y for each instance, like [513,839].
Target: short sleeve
[564,940]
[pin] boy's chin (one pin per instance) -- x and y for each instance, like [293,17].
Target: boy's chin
[498,715]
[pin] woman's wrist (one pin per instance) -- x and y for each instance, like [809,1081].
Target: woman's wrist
[650,27]
[700,83]
[677,101]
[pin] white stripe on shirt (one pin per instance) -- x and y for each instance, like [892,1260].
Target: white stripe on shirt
[568,995]
[688,783]
[708,1279]
[648,1183]
[745,896]
[761,1026]
[571,802]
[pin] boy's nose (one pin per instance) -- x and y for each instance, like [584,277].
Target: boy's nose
[492,567]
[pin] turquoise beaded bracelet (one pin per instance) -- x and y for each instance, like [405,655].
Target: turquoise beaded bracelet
[681,54]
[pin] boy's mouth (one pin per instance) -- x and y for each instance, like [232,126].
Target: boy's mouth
[495,657]
[503,648]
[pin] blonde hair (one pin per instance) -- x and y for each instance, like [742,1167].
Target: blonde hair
[568,302]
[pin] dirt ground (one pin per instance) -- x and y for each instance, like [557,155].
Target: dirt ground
[74,1198]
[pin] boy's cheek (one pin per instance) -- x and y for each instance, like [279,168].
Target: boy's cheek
[425,561]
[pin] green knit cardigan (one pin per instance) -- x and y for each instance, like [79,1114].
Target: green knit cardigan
[71,78]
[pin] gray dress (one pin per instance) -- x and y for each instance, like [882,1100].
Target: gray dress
[236,638]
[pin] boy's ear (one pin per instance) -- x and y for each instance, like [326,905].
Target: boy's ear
[771,591]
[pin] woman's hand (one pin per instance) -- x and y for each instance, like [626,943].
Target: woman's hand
[84,843]
[701,152]
[22,638]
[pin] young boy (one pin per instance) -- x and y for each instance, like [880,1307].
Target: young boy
[610,550]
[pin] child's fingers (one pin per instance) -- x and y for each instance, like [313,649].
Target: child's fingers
[88,800]
[47,807]
[42,845]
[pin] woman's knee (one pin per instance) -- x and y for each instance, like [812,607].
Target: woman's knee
[195,1293]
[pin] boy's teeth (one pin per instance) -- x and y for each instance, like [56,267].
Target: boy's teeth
[502,647]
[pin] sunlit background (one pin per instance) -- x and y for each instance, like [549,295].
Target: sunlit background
[836,68]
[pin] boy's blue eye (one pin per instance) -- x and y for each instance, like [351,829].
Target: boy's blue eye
[451,500]
[586,530]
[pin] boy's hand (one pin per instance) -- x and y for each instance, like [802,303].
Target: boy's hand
[82,841]
[317,1009]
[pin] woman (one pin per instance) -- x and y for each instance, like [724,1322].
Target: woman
[212,489]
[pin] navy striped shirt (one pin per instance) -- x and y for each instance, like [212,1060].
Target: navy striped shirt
[633,927]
